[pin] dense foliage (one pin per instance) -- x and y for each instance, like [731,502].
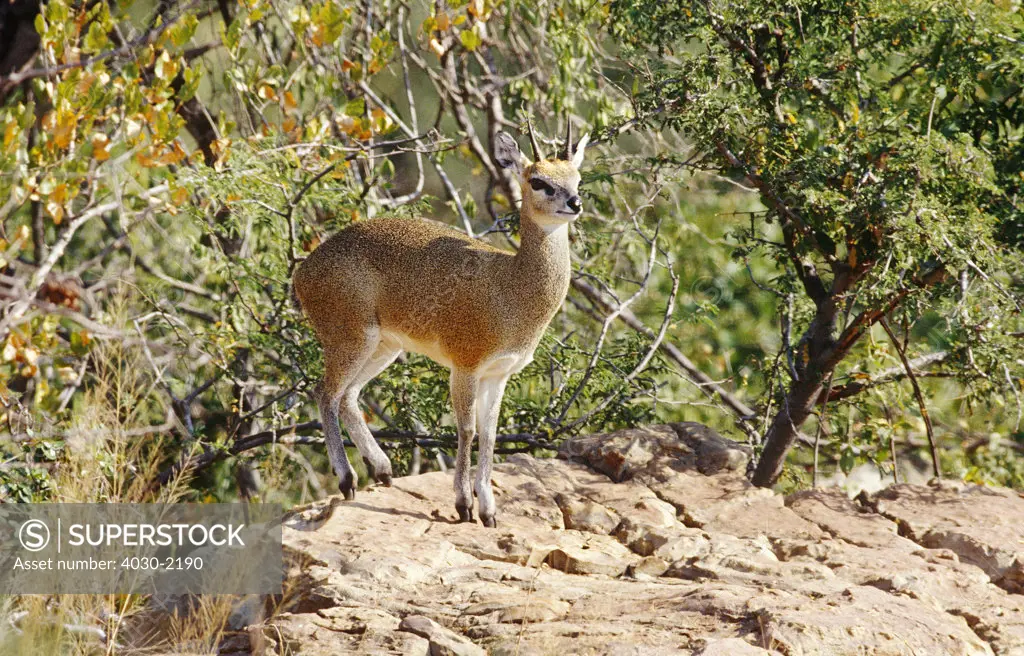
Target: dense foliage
[884,140]
[802,226]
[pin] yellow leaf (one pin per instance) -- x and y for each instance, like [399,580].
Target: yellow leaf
[319,35]
[85,83]
[147,157]
[266,92]
[100,147]
[59,193]
[10,133]
[56,210]
[31,355]
[64,124]
[166,68]
[220,146]
[471,38]
[173,155]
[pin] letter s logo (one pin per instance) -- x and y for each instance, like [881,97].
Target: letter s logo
[34,535]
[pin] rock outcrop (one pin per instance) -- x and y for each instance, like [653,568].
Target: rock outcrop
[651,541]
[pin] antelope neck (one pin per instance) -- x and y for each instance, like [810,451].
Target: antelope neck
[542,265]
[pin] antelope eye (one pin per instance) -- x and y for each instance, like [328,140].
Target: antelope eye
[540,185]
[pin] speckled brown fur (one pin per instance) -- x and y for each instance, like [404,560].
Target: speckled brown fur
[423,283]
[434,283]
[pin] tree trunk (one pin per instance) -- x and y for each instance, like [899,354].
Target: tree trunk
[784,430]
[823,354]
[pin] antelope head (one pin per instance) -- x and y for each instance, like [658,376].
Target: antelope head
[550,186]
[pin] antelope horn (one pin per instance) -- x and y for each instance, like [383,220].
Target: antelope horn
[567,153]
[538,155]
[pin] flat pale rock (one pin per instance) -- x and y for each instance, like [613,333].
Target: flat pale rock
[443,642]
[984,526]
[733,647]
[648,541]
[586,515]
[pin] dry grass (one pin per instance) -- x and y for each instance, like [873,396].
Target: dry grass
[110,459]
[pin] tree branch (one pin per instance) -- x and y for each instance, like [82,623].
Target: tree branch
[890,375]
[918,395]
[299,434]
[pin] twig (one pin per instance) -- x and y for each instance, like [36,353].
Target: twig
[917,394]
[890,375]
[606,326]
[19,308]
[445,180]
[655,345]
[299,434]
[704,383]
[147,38]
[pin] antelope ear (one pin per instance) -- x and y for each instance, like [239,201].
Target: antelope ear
[577,154]
[507,153]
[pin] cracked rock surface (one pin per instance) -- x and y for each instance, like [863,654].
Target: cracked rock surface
[651,541]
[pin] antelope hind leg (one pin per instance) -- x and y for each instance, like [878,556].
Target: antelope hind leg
[378,464]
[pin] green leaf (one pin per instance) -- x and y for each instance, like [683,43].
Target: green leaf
[356,107]
[470,39]
[96,39]
[847,460]
[184,29]
[329,21]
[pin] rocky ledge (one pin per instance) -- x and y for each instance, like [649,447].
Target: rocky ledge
[651,541]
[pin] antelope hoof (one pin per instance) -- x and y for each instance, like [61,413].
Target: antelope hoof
[489,521]
[347,486]
[383,477]
[465,513]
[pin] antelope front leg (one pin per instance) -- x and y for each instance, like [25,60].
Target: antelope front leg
[464,392]
[489,406]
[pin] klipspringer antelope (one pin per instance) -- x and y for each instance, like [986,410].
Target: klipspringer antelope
[384,286]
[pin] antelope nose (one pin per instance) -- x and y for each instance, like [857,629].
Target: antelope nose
[575,204]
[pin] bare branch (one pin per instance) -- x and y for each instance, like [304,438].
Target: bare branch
[918,395]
